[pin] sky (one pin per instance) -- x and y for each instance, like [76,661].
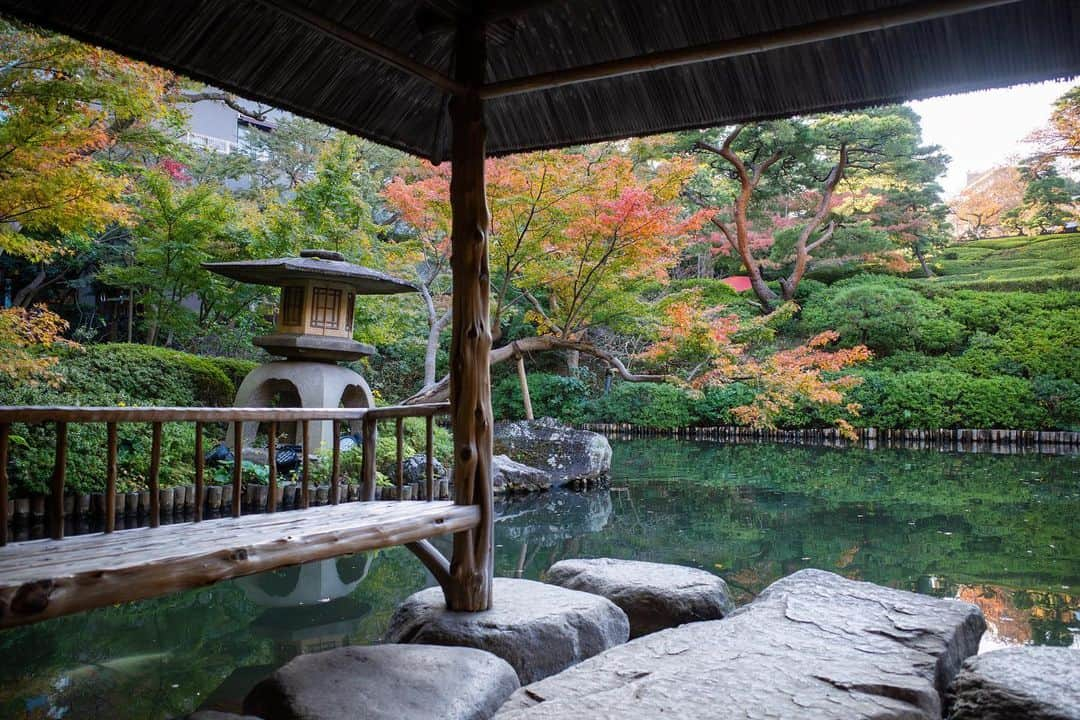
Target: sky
[982,129]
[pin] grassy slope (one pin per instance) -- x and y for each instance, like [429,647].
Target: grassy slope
[1018,263]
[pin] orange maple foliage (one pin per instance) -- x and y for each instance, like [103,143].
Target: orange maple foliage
[26,337]
[723,343]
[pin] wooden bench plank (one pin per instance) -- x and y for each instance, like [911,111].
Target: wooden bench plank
[41,579]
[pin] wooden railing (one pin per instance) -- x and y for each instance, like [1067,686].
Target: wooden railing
[61,417]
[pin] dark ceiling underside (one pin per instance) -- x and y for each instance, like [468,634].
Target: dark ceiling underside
[254,49]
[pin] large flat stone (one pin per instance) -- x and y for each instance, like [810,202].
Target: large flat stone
[566,454]
[654,596]
[1033,683]
[539,629]
[396,682]
[812,646]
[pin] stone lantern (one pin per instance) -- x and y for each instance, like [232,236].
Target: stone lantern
[313,333]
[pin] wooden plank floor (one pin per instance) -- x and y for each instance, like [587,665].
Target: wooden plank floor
[46,578]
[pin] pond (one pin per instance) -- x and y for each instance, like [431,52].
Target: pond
[996,530]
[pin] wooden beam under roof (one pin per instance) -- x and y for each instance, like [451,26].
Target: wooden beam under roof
[823,30]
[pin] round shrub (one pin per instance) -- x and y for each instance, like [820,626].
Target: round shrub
[882,314]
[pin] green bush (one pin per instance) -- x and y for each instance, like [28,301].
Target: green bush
[144,374]
[112,375]
[883,314]
[557,396]
[1042,343]
[714,405]
[651,405]
[1061,398]
[930,400]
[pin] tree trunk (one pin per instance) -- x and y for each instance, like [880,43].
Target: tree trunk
[472,567]
[922,261]
[24,298]
[431,352]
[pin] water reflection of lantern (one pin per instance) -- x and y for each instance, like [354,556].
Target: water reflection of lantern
[313,332]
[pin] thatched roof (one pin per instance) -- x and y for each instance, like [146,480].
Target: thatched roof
[315,58]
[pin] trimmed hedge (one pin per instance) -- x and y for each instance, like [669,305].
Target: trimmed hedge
[110,375]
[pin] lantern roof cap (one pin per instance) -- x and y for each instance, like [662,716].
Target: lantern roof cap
[312,265]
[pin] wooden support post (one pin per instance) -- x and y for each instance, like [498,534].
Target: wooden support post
[200,473]
[155,472]
[368,440]
[335,463]
[56,496]
[472,567]
[526,400]
[271,459]
[110,480]
[238,468]
[429,456]
[5,434]
[305,464]
[399,427]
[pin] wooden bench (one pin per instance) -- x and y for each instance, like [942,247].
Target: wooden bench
[40,579]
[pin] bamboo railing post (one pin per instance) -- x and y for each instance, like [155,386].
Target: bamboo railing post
[335,463]
[155,472]
[5,434]
[271,459]
[367,464]
[305,464]
[238,468]
[56,491]
[200,473]
[429,457]
[472,568]
[110,480]
[399,426]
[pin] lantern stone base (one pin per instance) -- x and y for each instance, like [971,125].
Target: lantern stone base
[305,384]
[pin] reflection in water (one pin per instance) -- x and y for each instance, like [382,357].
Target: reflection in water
[998,531]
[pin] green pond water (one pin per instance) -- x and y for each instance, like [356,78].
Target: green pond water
[997,530]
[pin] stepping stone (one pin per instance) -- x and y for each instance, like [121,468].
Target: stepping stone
[1034,683]
[654,596]
[539,629]
[398,682]
[813,646]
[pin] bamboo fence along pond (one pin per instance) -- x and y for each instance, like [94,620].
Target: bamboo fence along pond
[51,577]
